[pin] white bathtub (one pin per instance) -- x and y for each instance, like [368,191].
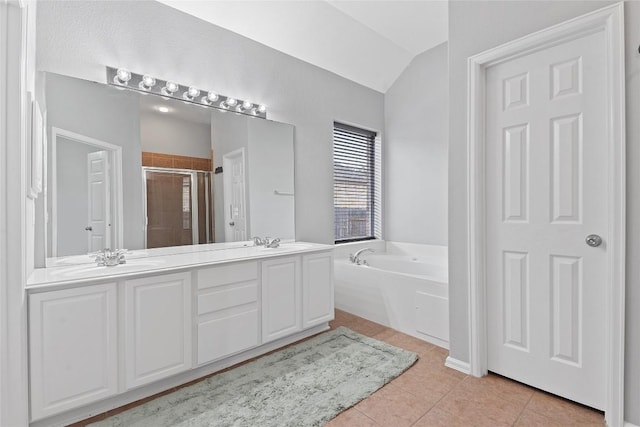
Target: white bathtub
[405,287]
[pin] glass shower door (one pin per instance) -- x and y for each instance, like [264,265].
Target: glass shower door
[179,207]
[169,209]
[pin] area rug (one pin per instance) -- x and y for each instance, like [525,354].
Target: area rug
[303,385]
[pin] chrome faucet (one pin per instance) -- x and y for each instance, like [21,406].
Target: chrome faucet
[267,242]
[109,258]
[274,243]
[355,258]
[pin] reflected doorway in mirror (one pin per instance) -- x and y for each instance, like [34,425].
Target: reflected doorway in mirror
[235,202]
[84,194]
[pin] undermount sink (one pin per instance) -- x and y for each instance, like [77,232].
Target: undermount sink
[81,270]
[293,246]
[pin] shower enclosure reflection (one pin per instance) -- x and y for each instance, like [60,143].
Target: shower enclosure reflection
[177,205]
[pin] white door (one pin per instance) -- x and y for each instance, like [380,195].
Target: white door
[235,203]
[99,209]
[546,190]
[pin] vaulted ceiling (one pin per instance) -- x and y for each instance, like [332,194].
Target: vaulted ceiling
[368,42]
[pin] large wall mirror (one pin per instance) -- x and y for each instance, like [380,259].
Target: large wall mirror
[135,171]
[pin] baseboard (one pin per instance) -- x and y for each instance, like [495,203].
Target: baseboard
[458,365]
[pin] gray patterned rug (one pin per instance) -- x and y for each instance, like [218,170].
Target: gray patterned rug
[304,385]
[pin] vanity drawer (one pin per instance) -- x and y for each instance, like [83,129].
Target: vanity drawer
[220,299]
[218,338]
[227,274]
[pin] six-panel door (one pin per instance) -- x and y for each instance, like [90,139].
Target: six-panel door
[157,327]
[546,145]
[73,348]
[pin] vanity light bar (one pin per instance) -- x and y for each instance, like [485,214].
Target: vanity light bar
[121,77]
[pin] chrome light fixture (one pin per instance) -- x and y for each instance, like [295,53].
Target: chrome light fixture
[191,93]
[122,77]
[170,88]
[210,98]
[146,83]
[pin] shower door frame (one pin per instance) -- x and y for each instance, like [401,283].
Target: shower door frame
[193,174]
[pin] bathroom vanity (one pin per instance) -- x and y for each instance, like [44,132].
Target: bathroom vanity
[102,337]
[184,187]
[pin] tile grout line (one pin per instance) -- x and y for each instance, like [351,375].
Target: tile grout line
[524,408]
[359,411]
[440,400]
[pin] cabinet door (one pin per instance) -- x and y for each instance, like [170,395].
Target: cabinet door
[157,328]
[73,348]
[317,288]
[281,303]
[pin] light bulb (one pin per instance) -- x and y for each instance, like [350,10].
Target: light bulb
[122,76]
[170,88]
[147,82]
[246,105]
[191,93]
[231,102]
[262,108]
[210,98]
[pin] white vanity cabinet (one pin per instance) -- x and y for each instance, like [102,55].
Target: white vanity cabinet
[317,289]
[73,348]
[157,327]
[227,310]
[281,297]
[100,341]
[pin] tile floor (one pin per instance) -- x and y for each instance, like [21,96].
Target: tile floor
[430,394]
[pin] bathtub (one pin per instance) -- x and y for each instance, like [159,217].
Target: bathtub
[404,286]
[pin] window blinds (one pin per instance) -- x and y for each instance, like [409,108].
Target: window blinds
[354,186]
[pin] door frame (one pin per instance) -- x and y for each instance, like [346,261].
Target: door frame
[608,20]
[116,184]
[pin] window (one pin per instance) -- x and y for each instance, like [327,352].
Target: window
[356,187]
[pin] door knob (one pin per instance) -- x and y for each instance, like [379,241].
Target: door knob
[89,228]
[232,223]
[593,240]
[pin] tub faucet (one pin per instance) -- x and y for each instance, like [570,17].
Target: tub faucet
[355,258]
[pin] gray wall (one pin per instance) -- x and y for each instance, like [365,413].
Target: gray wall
[415,151]
[163,133]
[475,26]
[81,38]
[270,166]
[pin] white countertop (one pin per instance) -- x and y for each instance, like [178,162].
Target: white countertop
[76,270]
